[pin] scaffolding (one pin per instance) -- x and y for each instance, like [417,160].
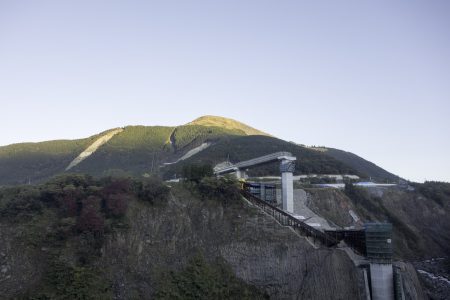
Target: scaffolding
[379,242]
[354,238]
[264,191]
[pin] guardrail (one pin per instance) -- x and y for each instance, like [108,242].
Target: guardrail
[286,219]
[253,162]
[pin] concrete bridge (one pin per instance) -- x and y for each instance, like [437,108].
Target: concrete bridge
[287,167]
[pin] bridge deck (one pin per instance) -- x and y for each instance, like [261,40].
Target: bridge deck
[256,162]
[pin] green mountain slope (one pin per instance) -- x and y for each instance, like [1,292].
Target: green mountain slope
[236,149]
[131,151]
[140,150]
[134,151]
[226,123]
[143,149]
[29,162]
[190,136]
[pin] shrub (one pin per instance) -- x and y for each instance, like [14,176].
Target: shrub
[116,186]
[224,189]
[435,190]
[77,180]
[91,219]
[152,190]
[195,172]
[20,202]
[117,204]
[66,282]
[116,195]
[203,280]
[69,200]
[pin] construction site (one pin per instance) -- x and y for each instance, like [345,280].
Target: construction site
[369,245]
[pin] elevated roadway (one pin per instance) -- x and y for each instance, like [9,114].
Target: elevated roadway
[287,167]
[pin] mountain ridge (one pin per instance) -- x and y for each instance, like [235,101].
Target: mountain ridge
[141,150]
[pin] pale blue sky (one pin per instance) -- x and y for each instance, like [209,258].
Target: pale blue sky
[370,77]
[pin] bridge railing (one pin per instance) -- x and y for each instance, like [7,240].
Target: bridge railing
[286,219]
[262,159]
[253,162]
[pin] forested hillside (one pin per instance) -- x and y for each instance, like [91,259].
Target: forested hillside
[360,164]
[30,162]
[144,150]
[242,148]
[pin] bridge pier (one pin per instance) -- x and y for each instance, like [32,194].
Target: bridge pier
[287,168]
[379,253]
[241,174]
[382,279]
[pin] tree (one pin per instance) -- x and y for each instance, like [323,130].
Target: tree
[91,219]
[195,172]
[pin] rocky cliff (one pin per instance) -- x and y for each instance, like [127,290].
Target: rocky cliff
[49,249]
[420,235]
[157,240]
[260,251]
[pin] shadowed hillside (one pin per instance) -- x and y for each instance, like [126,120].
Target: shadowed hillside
[360,164]
[29,162]
[242,148]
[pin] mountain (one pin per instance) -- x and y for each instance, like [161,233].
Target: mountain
[359,164]
[28,162]
[140,237]
[246,147]
[163,150]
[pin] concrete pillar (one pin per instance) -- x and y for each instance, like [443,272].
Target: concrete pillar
[287,168]
[262,191]
[241,174]
[382,279]
[366,284]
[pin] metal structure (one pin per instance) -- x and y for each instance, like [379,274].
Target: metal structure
[287,220]
[243,165]
[287,167]
[355,238]
[375,242]
[379,242]
[379,253]
[264,191]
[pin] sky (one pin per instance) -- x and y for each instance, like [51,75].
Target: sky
[370,77]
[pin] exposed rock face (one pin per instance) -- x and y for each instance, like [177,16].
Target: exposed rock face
[21,266]
[421,225]
[411,284]
[160,238]
[260,251]
[331,204]
[420,230]
[434,275]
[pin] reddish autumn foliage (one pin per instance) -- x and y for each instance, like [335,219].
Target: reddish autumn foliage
[117,204]
[117,186]
[70,205]
[68,201]
[91,219]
